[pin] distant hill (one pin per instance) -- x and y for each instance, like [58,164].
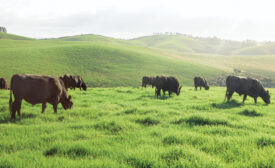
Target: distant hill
[12,36]
[191,44]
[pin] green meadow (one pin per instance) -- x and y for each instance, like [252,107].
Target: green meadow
[116,123]
[130,127]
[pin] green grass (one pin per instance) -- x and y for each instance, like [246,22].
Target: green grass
[100,63]
[130,127]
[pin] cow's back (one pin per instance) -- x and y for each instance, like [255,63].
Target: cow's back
[172,83]
[198,81]
[35,89]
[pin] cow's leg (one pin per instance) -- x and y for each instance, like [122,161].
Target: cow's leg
[229,95]
[163,92]
[169,93]
[200,87]
[255,100]
[158,92]
[244,98]
[44,105]
[13,110]
[18,109]
[55,107]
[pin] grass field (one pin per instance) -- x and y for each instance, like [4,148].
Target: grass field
[129,127]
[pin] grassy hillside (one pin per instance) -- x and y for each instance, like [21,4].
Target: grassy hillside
[189,44]
[129,127]
[178,43]
[104,63]
[263,49]
[12,36]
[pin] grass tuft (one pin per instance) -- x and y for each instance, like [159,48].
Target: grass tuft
[170,140]
[265,141]
[140,162]
[148,121]
[250,113]
[130,111]
[198,120]
[52,151]
[112,127]
[77,151]
[172,155]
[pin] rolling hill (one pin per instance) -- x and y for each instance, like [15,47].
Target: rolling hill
[102,62]
[211,45]
[106,62]
[13,37]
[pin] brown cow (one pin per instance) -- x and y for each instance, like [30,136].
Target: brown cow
[200,82]
[37,89]
[246,86]
[3,83]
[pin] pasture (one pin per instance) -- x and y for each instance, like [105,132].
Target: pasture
[129,127]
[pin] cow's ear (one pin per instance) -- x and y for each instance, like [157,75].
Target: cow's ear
[70,97]
[267,91]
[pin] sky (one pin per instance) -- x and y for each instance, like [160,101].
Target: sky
[228,19]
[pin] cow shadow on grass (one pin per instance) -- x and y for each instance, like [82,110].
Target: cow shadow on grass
[7,118]
[164,97]
[227,105]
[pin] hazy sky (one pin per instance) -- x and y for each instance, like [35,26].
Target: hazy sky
[230,19]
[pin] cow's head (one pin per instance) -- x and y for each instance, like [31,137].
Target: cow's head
[206,86]
[84,86]
[178,92]
[67,102]
[266,97]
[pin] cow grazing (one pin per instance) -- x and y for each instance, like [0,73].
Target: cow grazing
[3,83]
[79,83]
[170,84]
[37,89]
[246,86]
[200,82]
[73,82]
[146,80]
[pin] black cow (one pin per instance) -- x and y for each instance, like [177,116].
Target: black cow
[246,86]
[200,82]
[170,84]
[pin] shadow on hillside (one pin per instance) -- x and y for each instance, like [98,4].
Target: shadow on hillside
[7,119]
[227,105]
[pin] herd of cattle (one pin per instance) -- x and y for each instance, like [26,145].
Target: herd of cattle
[241,85]
[46,89]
